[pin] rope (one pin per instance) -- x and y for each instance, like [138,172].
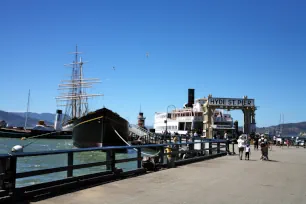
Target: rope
[49,133]
[152,155]
[86,121]
[24,138]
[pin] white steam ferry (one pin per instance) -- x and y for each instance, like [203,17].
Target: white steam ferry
[192,118]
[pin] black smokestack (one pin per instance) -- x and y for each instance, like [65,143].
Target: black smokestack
[190,97]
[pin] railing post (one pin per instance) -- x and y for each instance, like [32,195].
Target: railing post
[191,146]
[180,139]
[3,164]
[218,147]
[108,160]
[111,160]
[233,147]
[70,164]
[139,158]
[202,146]
[10,174]
[161,154]
[210,147]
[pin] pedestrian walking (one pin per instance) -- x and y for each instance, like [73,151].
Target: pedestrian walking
[247,152]
[264,146]
[241,146]
[256,142]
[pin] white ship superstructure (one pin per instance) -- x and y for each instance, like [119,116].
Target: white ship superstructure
[192,118]
[180,120]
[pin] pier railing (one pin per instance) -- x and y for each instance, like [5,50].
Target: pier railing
[168,156]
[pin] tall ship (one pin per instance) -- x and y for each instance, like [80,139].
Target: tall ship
[89,129]
[190,118]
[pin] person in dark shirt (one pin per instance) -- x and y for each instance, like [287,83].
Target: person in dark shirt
[256,142]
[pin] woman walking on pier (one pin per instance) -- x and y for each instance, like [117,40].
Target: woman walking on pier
[241,146]
[264,146]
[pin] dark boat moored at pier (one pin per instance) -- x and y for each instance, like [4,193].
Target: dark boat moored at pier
[100,128]
[18,133]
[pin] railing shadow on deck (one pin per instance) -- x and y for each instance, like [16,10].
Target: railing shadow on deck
[170,155]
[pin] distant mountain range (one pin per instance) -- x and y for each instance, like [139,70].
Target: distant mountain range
[289,129]
[18,119]
[38,116]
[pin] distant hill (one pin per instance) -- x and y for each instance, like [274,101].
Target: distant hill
[149,126]
[19,119]
[289,129]
[50,117]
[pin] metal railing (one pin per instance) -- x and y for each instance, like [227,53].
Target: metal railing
[169,155]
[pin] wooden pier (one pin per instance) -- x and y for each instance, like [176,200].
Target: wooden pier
[222,180]
[164,159]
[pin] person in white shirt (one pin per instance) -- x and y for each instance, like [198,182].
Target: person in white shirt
[247,152]
[241,145]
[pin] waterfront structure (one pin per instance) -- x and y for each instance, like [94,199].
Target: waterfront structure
[245,104]
[205,116]
[191,118]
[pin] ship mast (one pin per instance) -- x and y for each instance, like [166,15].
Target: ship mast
[75,96]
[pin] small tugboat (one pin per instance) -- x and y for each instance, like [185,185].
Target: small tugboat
[89,129]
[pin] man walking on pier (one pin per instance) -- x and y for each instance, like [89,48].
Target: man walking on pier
[241,146]
[256,142]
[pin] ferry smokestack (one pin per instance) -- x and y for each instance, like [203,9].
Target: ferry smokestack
[190,97]
[58,120]
[141,120]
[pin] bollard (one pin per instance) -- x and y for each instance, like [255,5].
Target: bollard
[170,157]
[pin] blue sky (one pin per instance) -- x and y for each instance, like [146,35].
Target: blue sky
[224,48]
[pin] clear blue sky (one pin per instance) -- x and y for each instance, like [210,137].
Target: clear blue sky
[224,48]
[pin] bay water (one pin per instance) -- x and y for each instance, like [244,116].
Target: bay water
[51,161]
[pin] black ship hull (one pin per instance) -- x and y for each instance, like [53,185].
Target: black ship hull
[99,128]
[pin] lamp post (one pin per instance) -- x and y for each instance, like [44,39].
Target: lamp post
[166,121]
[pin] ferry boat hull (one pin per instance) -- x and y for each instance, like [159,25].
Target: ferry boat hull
[99,128]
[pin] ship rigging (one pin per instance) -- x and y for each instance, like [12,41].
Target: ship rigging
[75,98]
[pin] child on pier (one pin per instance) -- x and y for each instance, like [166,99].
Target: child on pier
[247,152]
